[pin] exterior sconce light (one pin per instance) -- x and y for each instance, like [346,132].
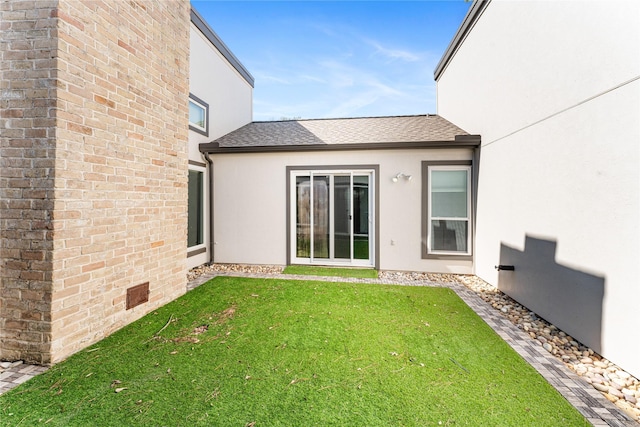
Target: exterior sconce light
[401,175]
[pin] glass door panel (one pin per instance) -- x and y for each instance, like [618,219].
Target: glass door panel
[321,224]
[361,216]
[303,217]
[342,216]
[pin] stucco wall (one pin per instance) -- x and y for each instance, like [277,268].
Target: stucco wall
[250,205]
[230,97]
[553,89]
[216,82]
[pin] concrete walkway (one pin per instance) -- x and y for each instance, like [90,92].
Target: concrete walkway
[16,375]
[596,409]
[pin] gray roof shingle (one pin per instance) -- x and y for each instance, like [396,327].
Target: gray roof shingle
[365,130]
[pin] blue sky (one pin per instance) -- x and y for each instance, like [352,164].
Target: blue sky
[319,59]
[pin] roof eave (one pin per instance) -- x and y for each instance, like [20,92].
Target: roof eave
[460,141]
[211,35]
[470,19]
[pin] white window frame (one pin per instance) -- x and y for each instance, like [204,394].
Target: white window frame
[429,252]
[204,130]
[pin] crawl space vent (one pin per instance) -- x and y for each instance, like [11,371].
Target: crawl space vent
[137,295]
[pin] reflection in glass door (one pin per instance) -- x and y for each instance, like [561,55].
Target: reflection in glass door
[332,213]
[342,217]
[361,217]
[303,217]
[321,222]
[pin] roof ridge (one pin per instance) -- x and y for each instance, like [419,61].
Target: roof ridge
[346,118]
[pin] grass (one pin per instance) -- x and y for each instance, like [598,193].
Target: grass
[265,352]
[307,270]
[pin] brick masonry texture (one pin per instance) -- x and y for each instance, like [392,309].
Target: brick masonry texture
[28,42]
[113,188]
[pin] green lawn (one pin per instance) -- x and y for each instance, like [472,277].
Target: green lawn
[309,270]
[265,352]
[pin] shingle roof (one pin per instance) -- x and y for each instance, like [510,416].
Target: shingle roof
[365,130]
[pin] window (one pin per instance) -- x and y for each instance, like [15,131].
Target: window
[447,211]
[198,115]
[196,214]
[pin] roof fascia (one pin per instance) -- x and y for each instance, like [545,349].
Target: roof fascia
[461,141]
[208,32]
[470,19]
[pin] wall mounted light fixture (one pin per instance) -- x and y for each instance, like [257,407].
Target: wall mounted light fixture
[401,175]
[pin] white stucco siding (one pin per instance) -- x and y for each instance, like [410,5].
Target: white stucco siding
[250,205]
[570,180]
[229,96]
[553,89]
[524,61]
[219,84]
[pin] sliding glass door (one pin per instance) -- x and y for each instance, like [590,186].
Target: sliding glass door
[333,217]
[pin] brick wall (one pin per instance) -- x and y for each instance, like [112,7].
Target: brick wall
[28,39]
[118,217]
[121,164]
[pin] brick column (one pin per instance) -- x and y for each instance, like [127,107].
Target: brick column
[28,43]
[94,168]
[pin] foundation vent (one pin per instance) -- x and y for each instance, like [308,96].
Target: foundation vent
[137,295]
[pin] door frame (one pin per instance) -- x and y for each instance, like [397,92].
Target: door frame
[374,230]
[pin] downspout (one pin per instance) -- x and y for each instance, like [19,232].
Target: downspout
[211,242]
[475,184]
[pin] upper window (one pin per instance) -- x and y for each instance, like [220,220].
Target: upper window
[447,223]
[198,115]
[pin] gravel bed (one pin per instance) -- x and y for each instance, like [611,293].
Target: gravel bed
[617,385]
[233,268]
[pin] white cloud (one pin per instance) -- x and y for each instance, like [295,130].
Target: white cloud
[347,76]
[321,59]
[264,77]
[313,79]
[353,104]
[393,54]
